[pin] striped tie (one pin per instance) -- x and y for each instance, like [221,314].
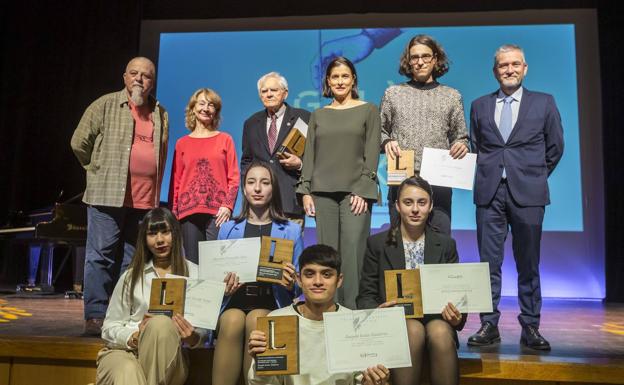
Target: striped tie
[272,133]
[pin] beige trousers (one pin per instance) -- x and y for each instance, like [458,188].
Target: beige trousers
[158,360]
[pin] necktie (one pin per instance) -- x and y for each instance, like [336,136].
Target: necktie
[505,120]
[272,133]
[505,125]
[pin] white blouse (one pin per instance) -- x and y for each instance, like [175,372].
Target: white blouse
[122,320]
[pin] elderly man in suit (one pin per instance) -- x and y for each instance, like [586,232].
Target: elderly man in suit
[265,131]
[518,138]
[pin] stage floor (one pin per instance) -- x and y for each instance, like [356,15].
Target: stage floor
[575,328]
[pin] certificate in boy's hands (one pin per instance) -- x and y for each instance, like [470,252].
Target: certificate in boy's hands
[356,340]
[217,258]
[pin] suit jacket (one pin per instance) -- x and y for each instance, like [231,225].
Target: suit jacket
[379,257]
[256,147]
[287,230]
[530,154]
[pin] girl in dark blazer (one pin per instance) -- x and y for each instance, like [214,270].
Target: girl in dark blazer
[261,215]
[409,243]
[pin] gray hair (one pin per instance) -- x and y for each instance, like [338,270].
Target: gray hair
[276,75]
[507,48]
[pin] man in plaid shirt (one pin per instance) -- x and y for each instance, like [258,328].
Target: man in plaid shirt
[121,141]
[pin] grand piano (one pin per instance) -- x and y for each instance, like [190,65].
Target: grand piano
[64,225]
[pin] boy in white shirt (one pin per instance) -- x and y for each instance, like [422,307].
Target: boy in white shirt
[319,277]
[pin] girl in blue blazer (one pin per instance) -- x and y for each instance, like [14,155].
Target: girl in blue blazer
[261,215]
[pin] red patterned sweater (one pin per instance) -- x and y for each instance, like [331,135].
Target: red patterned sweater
[204,175]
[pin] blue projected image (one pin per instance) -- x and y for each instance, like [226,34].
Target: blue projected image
[231,63]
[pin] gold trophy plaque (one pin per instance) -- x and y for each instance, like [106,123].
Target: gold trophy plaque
[282,354]
[294,143]
[401,168]
[167,296]
[274,253]
[403,286]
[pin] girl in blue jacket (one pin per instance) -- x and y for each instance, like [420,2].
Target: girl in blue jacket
[261,215]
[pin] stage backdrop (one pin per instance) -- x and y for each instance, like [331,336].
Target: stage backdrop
[231,63]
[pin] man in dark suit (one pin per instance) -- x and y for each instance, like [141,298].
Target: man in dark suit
[265,131]
[518,138]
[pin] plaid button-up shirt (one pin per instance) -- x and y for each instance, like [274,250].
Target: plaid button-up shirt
[102,143]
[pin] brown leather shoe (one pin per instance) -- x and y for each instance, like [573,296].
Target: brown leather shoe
[93,327]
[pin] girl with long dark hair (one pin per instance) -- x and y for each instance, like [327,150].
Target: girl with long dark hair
[261,215]
[142,348]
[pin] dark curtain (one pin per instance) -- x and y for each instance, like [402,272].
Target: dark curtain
[58,56]
[610,21]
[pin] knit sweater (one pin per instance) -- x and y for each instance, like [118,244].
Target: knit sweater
[204,175]
[342,151]
[418,116]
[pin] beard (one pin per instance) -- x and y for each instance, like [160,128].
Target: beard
[137,96]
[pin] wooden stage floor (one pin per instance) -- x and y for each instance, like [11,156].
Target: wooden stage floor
[587,329]
[580,332]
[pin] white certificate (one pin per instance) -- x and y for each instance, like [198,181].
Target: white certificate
[217,258]
[202,304]
[440,169]
[302,127]
[465,285]
[358,339]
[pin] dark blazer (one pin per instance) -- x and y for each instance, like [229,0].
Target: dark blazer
[256,147]
[531,153]
[379,257]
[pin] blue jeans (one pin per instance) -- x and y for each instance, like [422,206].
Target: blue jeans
[111,240]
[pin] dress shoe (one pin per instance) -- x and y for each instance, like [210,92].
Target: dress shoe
[487,335]
[531,338]
[93,327]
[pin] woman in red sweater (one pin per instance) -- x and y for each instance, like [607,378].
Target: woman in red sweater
[205,175]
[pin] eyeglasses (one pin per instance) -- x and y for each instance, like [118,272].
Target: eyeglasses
[426,58]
